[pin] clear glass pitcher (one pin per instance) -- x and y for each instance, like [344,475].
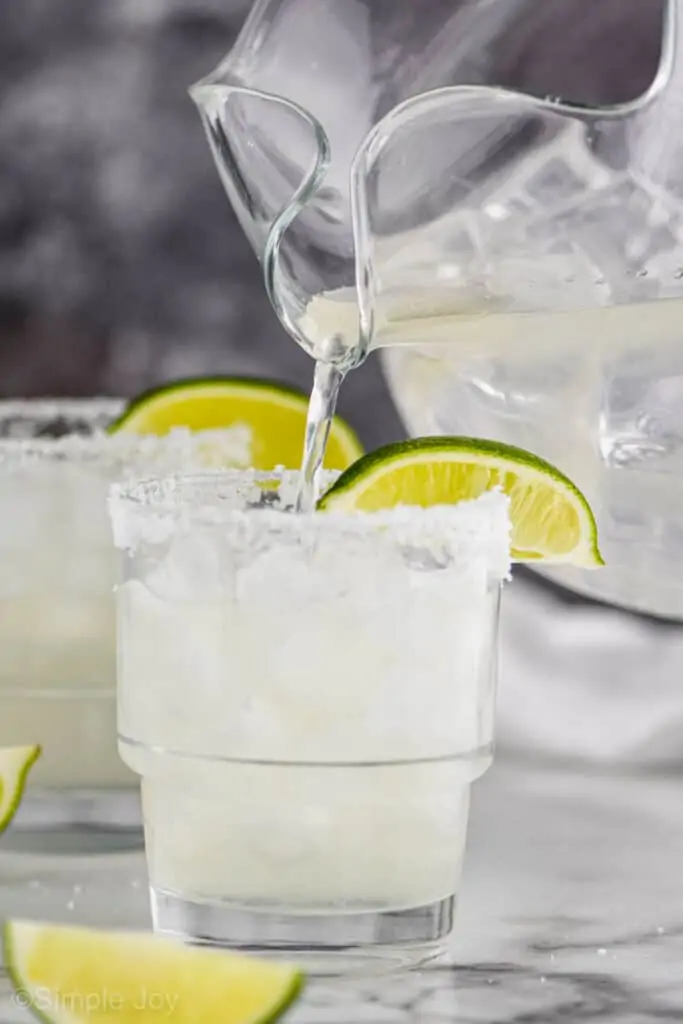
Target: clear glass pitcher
[520,260]
[290,112]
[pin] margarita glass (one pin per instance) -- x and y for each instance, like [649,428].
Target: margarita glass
[307,700]
[57,621]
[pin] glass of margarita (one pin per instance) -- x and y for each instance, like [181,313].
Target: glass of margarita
[57,620]
[307,700]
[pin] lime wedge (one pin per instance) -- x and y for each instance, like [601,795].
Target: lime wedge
[551,520]
[275,416]
[15,764]
[77,975]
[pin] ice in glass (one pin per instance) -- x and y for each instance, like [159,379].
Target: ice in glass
[307,699]
[57,620]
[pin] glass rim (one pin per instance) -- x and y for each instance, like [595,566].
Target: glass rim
[49,406]
[154,508]
[172,491]
[94,413]
[97,445]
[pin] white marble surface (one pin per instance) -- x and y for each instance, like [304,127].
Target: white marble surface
[572,909]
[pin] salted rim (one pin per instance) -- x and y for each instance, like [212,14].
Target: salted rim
[152,510]
[173,492]
[84,408]
[95,412]
[100,445]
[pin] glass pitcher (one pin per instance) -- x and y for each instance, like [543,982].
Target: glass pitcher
[519,260]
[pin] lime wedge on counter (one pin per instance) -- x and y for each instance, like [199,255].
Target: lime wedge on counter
[551,520]
[274,414]
[15,764]
[77,975]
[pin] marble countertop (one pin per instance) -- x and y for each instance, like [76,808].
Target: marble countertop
[572,909]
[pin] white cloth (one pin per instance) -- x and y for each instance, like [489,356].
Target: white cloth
[583,681]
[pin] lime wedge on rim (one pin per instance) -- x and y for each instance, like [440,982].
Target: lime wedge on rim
[71,975]
[15,764]
[551,520]
[274,414]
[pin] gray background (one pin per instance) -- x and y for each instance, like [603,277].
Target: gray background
[121,264]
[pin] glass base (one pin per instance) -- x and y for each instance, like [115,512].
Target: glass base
[76,821]
[325,945]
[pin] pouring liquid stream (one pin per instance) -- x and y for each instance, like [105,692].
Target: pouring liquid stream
[327,380]
[331,325]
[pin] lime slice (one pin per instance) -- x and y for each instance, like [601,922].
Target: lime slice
[77,975]
[275,416]
[551,520]
[15,764]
